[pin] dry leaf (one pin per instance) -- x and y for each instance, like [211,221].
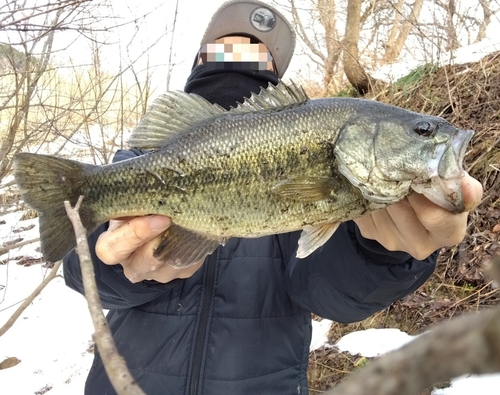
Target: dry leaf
[9,363]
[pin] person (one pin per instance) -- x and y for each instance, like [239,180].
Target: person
[240,321]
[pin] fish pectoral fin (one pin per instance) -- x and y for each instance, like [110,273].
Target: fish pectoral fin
[314,237]
[307,189]
[180,247]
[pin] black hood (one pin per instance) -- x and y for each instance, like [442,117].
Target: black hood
[227,86]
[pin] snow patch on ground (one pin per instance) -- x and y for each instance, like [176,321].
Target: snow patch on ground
[51,338]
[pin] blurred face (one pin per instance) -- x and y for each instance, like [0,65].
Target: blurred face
[239,50]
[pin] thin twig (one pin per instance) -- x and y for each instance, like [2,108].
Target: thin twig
[114,363]
[5,249]
[30,298]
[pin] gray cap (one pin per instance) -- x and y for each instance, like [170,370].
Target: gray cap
[257,19]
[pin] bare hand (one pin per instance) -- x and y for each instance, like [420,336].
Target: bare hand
[418,226]
[131,242]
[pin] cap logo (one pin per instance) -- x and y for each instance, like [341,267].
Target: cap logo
[263,19]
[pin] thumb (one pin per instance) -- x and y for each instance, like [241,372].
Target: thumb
[472,191]
[118,243]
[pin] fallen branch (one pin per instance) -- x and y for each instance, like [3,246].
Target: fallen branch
[30,298]
[466,345]
[114,363]
[8,184]
[5,249]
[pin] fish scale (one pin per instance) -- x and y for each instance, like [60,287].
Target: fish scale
[256,170]
[214,171]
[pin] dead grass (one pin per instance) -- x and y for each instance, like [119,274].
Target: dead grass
[29,214]
[327,366]
[468,96]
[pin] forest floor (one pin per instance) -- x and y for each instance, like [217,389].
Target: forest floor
[468,95]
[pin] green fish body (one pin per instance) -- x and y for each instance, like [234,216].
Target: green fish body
[277,163]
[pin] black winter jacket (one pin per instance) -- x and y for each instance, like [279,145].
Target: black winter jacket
[242,323]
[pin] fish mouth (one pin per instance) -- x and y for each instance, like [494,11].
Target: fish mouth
[443,186]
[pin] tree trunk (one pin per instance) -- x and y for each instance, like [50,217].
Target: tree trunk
[487,13]
[354,72]
[327,15]
[453,43]
[395,43]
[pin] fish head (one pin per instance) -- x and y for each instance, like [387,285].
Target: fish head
[389,152]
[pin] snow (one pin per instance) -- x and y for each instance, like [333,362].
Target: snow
[471,53]
[51,338]
[319,334]
[381,341]
[53,335]
[376,342]
[484,385]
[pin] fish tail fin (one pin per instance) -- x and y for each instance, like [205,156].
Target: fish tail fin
[45,182]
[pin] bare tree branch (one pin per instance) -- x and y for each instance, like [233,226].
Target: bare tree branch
[22,114]
[401,30]
[4,249]
[301,31]
[30,299]
[170,54]
[8,12]
[115,365]
[487,14]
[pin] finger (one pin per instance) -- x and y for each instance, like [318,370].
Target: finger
[409,232]
[118,244]
[163,274]
[443,227]
[380,226]
[427,212]
[402,230]
[472,191]
[397,228]
[141,262]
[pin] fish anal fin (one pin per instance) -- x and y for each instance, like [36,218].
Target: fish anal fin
[180,247]
[307,189]
[314,237]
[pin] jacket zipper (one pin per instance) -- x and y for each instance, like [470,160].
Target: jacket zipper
[200,342]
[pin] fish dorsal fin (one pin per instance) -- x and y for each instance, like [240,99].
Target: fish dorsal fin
[273,97]
[176,111]
[170,114]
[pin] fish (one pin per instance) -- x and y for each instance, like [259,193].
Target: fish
[277,162]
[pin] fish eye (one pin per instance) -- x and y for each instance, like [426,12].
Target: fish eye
[424,128]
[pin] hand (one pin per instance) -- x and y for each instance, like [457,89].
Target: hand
[131,242]
[418,226]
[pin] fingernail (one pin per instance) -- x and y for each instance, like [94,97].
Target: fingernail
[159,222]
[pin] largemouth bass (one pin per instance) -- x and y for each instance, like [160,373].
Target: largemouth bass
[277,163]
